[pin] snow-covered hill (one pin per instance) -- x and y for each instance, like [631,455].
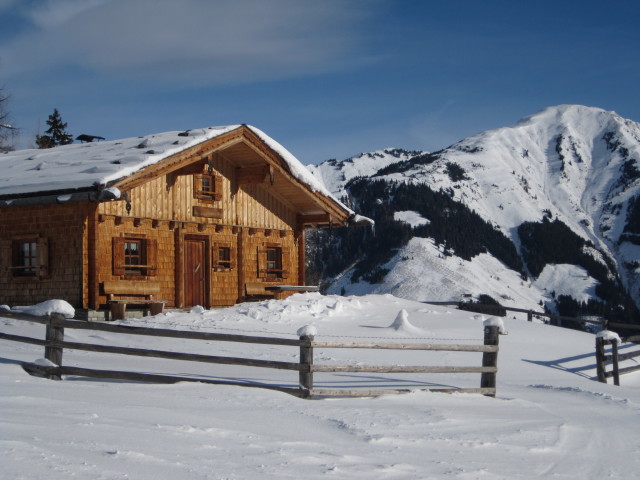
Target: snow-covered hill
[567,165]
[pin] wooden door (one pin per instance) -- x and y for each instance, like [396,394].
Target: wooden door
[195,273]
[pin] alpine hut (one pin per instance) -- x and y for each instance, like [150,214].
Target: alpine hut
[206,217]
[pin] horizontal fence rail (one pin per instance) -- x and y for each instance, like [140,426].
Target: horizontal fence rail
[500,310]
[614,358]
[55,345]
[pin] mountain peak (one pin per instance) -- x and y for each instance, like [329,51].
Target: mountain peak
[577,168]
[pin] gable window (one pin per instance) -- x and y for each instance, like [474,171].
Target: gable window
[207,187]
[29,257]
[223,255]
[273,262]
[134,256]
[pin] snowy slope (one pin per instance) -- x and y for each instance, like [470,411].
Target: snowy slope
[550,419]
[579,165]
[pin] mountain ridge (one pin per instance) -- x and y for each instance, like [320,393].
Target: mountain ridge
[570,164]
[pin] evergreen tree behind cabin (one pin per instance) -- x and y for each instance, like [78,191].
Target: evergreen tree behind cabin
[56,134]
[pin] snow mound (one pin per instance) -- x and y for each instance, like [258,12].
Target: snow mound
[197,309]
[48,307]
[402,323]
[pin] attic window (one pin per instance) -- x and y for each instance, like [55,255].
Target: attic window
[207,187]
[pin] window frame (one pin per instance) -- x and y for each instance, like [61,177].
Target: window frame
[35,265]
[147,256]
[207,187]
[225,265]
[279,270]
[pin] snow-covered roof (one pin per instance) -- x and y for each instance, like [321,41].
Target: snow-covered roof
[87,165]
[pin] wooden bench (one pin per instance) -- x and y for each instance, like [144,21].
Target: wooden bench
[257,289]
[143,293]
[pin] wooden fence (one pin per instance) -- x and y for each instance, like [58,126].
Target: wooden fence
[603,360]
[500,311]
[55,344]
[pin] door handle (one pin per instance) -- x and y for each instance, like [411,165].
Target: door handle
[197,268]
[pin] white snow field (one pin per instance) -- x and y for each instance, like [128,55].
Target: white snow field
[549,420]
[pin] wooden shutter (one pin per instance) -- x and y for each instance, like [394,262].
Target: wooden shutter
[42,257]
[217,187]
[234,257]
[118,256]
[151,245]
[197,185]
[6,255]
[262,262]
[286,262]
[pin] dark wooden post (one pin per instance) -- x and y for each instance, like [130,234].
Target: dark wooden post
[600,367]
[614,361]
[54,335]
[530,316]
[490,359]
[306,362]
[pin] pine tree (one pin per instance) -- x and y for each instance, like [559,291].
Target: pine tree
[56,133]
[7,131]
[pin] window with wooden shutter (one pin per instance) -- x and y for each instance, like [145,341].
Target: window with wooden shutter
[135,256]
[207,187]
[30,257]
[223,256]
[271,266]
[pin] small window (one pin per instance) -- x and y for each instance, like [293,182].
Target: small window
[25,258]
[223,255]
[273,262]
[207,187]
[30,257]
[134,256]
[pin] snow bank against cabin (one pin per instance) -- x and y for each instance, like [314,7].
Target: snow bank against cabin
[46,308]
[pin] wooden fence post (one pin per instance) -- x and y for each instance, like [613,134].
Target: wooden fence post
[54,335]
[600,366]
[530,316]
[490,359]
[614,361]
[306,361]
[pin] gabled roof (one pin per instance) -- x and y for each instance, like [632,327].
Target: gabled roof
[93,166]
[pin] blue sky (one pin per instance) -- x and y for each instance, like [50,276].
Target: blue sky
[327,79]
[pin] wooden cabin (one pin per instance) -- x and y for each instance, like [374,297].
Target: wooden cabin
[205,217]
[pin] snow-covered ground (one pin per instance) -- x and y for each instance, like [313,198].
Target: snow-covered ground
[550,419]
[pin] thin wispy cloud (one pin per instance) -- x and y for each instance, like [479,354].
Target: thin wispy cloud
[194,42]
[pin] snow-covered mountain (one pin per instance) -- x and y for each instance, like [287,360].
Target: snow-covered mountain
[562,186]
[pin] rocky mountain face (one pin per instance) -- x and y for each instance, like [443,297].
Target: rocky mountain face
[545,213]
